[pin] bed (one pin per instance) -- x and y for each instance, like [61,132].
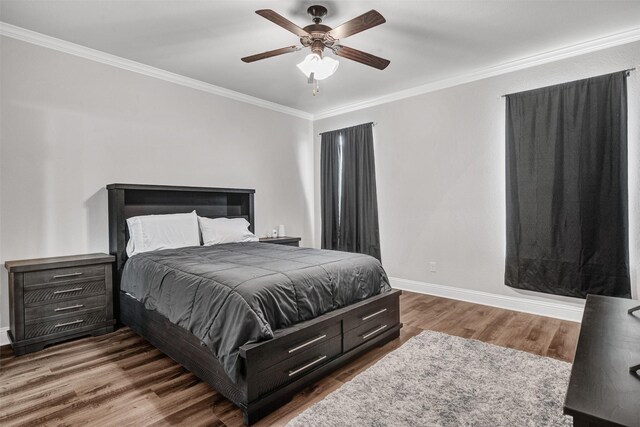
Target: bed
[265,369]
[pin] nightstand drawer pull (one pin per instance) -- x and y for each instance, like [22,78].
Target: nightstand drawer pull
[307,366]
[60,276]
[66,291]
[301,346]
[71,307]
[374,314]
[375,331]
[75,322]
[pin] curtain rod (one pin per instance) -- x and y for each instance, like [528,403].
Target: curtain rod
[335,130]
[628,70]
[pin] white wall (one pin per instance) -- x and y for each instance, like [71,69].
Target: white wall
[69,126]
[441,174]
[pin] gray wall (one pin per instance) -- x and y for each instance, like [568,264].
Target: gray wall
[70,126]
[441,174]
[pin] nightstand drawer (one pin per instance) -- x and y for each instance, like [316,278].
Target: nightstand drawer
[64,274]
[61,308]
[64,324]
[35,295]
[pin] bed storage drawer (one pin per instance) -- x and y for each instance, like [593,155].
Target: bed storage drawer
[300,364]
[282,348]
[370,328]
[370,313]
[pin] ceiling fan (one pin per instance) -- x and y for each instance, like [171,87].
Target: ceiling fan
[318,36]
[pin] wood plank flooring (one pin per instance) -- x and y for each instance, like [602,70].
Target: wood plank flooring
[120,379]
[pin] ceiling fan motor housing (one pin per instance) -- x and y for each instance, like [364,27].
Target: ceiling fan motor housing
[318,38]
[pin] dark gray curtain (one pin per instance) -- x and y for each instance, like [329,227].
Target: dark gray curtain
[566,182]
[329,194]
[349,200]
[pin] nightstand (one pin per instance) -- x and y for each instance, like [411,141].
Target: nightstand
[284,240]
[55,299]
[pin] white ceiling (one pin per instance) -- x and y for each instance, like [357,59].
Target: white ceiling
[426,41]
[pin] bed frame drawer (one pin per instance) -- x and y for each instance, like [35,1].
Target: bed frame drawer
[371,328]
[64,275]
[300,364]
[282,348]
[369,313]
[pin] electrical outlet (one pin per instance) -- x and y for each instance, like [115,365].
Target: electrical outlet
[433,267]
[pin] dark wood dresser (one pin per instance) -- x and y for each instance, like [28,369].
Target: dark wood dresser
[602,390]
[284,240]
[55,299]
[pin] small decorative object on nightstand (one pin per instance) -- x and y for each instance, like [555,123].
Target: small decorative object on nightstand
[55,299]
[284,240]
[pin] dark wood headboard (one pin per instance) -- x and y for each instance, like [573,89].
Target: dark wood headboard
[128,200]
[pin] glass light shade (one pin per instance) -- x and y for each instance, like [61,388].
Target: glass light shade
[320,67]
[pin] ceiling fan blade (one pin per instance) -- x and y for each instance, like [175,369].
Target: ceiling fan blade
[361,57]
[282,21]
[271,53]
[356,25]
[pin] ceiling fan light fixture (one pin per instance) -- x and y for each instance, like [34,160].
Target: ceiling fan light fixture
[320,67]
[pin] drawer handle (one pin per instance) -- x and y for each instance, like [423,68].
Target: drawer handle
[301,346]
[66,291]
[75,322]
[374,314]
[71,307]
[307,366]
[375,331]
[59,276]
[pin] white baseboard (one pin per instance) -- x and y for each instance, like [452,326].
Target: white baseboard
[542,308]
[4,339]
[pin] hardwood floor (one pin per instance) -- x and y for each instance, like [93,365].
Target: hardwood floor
[120,379]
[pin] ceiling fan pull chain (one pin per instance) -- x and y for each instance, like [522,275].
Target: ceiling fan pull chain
[312,81]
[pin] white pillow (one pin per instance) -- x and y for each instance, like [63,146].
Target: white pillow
[153,232]
[225,230]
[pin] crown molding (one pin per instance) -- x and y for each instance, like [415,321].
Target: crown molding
[39,39]
[531,61]
[33,37]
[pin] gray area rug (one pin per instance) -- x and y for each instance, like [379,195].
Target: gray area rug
[436,379]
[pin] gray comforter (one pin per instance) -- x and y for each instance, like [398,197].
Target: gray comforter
[238,293]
